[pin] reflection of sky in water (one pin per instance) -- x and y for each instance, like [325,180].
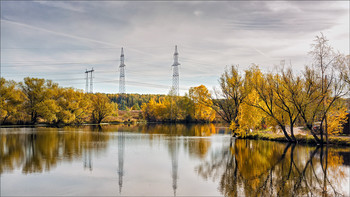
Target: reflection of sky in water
[147,164]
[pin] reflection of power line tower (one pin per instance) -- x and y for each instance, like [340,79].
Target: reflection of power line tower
[87,159]
[121,146]
[175,66]
[87,80]
[122,74]
[174,165]
[282,63]
[174,154]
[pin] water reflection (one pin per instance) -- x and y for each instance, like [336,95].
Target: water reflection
[171,157]
[39,149]
[121,147]
[173,145]
[260,168]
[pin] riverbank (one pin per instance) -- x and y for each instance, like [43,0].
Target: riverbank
[302,139]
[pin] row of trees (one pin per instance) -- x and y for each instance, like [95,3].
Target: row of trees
[195,106]
[132,101]
[254,100]
[39,99]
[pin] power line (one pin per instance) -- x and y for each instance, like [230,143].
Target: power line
[135,83]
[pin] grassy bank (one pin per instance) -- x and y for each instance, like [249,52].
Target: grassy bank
[302,139]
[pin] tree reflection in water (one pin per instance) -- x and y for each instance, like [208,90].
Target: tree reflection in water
[240,168]
[261,168]
[41,149]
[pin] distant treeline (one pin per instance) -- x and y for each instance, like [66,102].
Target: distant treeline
[37,100]
[132,101]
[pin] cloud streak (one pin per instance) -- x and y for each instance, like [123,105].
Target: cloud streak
[59,33]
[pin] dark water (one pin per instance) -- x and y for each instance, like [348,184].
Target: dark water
[161,160]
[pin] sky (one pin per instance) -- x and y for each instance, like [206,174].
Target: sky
[59,40]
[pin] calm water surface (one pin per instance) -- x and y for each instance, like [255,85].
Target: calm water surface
[163,160]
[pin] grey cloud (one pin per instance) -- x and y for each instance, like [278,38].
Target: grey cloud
[210,35]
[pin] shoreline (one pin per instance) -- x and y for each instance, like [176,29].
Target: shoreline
[343,141]
[301,139]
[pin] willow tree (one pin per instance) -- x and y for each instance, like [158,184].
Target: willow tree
[233,90]
[273,103]
[250,117]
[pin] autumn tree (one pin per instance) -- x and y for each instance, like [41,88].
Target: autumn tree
[250,118]
[188,108]
[148,110]
[343,65]
[173,108]
[101,107]
[271,103]
[284,87]
[75,105]
[11,100]
[233,90]
[69,106]
[36,92]
[201,99]
[336,117]
[322,87]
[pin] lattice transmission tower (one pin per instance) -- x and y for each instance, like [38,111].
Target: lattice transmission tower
[122,73]
[175,67]
[87,80]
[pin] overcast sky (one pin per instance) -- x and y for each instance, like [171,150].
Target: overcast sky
[59,40]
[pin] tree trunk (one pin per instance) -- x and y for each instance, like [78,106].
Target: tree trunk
[313,134]
[285,133]
[292,130]
[326,126]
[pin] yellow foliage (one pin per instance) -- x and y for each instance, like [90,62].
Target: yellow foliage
[336,118]
[196,106]
[249,117]
[202,101]
[11,100]
[101,106]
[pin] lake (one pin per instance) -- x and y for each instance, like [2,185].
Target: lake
[163,160]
